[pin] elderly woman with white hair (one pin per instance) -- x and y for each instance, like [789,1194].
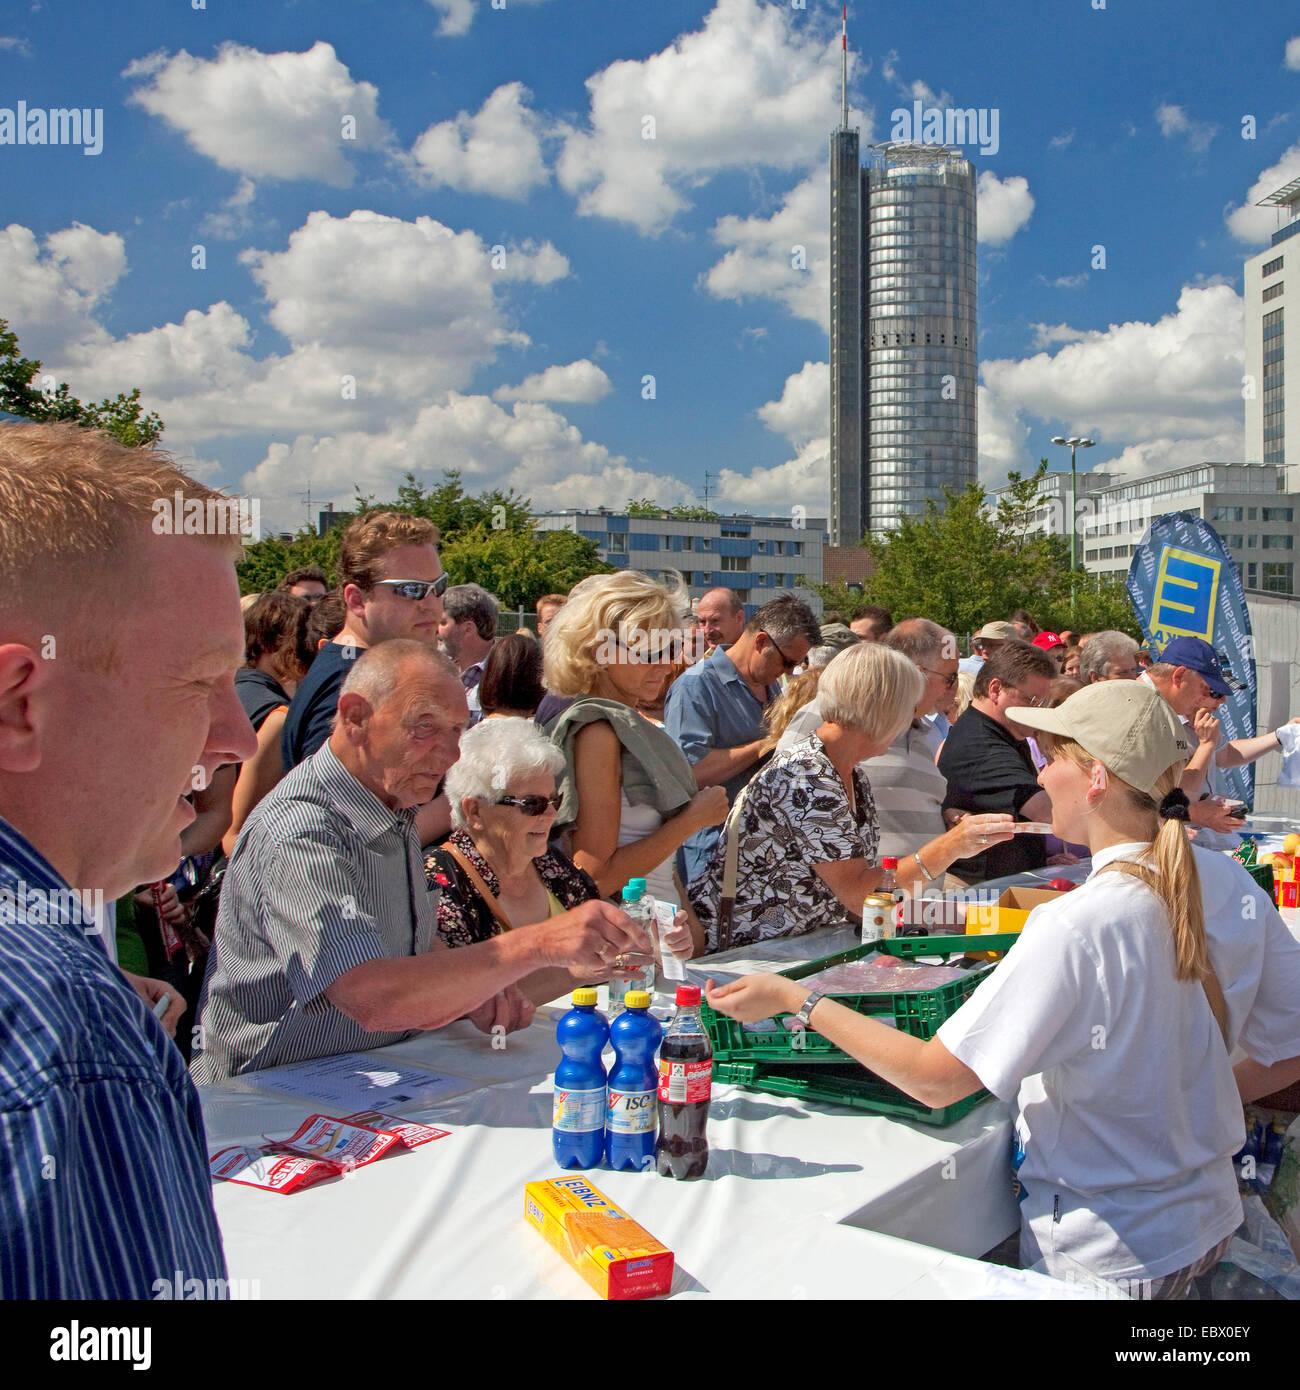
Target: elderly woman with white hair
[806,830]
[495,870]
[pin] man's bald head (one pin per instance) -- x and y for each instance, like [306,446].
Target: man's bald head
[722,616]
[401,713]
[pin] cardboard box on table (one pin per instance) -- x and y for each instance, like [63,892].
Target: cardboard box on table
[1009,913]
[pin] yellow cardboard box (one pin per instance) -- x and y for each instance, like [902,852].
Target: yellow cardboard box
[1009,913]
[618,1257]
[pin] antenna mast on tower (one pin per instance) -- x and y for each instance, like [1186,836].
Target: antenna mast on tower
[844,70]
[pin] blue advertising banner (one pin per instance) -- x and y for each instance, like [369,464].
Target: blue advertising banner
[1183,583]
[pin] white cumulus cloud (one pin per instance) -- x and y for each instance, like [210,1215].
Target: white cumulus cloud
[1255,225]
[265,115]
[1292,58]
[803,411]
[497,150]
[785,257]
[458,15]
[1174,121]
[580,382]
[755,86]
[530,447]
[1169,388]
[1003,206]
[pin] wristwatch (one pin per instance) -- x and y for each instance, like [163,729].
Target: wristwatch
[806,1008]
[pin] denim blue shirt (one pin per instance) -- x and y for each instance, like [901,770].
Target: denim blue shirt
[710,706]
[104,1186]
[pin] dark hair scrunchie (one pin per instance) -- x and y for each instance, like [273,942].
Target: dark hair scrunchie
[1176,806]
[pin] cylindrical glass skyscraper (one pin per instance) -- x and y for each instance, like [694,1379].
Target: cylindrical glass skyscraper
[920,423]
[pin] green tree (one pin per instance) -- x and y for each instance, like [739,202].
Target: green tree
[520,566]
[265,563]
[489,539]
[646,506]
[123,416]
[962,566]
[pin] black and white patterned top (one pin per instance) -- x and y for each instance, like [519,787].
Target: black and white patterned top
[796,815]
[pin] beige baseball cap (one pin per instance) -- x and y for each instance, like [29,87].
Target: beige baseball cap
[1125,725]
[1001,632]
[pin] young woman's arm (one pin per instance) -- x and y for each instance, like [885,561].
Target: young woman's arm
[927,1071]
[597,765]
[258,775]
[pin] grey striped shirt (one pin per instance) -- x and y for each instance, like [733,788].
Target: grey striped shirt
[323,878]
[908,788]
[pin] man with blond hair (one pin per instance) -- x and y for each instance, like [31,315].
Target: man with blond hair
[327,940]
[119,642]
[392,583]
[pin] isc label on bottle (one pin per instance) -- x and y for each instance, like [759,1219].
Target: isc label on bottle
[631,1112]
[685,1082]
[579,1112]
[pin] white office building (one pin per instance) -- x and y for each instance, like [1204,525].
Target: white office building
[1273,336]
[1244,502]
[758,557]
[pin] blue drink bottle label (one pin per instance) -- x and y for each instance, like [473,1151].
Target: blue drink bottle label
[579,1112]
[632,1112]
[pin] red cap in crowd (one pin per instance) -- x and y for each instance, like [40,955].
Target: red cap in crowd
[1048,640]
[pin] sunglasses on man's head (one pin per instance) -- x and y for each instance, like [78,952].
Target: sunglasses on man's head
[415,589]
[530,805]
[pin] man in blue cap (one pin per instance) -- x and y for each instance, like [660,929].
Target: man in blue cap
[1195,681]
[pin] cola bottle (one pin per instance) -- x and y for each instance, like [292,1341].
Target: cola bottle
[685,1081]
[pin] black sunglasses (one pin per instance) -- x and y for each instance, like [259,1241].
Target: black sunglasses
[786,664]
[530,805]
[415,588]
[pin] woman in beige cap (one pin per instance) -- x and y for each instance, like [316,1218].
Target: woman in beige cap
[1111,1020]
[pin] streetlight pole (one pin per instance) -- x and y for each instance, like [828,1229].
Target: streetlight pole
[1074,442]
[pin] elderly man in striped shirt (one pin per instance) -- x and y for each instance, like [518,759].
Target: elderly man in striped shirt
[326,941]
[120,636]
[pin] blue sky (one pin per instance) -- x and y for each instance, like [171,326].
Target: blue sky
[367,254]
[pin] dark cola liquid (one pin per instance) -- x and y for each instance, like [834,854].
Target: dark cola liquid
[682,1150]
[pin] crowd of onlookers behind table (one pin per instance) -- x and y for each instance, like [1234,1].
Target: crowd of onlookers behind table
[362,813]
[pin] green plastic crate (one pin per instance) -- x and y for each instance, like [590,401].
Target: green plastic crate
[1263,875]
[848,1085]
[910,947]
[918,1012]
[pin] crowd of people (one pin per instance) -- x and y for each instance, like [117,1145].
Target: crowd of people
[368,814]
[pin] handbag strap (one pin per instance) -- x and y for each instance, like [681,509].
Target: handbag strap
[730,870]
[1209,982]
[484,891]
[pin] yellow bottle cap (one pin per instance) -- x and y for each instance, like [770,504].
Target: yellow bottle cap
[636,999]
[585,998]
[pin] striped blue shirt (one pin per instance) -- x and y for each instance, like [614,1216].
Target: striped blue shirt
[104,1186]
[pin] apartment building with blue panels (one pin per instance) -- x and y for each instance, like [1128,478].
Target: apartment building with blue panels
[758,557]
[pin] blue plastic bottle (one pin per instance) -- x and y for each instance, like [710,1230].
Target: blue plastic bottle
[578,1126]
[633,1110]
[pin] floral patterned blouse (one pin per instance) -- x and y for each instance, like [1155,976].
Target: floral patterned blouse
[796,815]
[463,914]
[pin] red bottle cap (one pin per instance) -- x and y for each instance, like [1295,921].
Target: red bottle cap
[688,995]
[888,862]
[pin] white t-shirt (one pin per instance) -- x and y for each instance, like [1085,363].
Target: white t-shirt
[1129,1113]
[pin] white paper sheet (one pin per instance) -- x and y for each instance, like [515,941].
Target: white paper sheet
[361,1081]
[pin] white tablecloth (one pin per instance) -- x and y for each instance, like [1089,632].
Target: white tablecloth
[800,1199]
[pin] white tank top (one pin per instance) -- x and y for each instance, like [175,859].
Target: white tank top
[635,823]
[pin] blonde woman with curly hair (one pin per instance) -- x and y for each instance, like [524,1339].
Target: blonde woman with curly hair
[1112,1019]
[629,798]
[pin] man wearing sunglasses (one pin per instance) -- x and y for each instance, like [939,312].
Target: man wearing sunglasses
[392,583]
[715,708]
